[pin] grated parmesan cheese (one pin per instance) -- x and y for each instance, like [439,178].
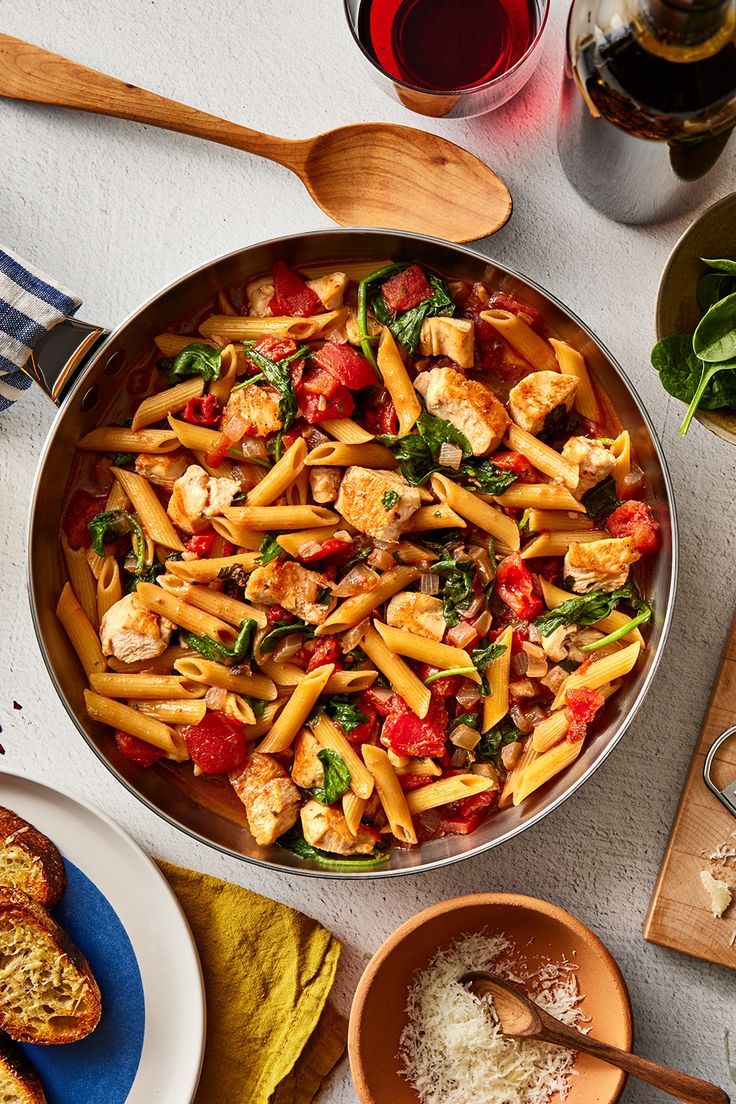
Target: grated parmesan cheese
[452,1049]
[720,894]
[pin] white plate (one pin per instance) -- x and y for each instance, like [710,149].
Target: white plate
[150,1040]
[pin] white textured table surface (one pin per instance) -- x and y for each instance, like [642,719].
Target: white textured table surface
[115,210]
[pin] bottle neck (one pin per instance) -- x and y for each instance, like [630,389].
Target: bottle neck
[688,24]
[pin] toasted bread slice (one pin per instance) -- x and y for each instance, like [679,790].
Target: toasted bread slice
[48,993]
[29,861]
[19,1082]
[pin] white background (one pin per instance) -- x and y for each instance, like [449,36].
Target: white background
[114,210]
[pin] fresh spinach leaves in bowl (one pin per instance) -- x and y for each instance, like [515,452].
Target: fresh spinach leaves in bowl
[701,369]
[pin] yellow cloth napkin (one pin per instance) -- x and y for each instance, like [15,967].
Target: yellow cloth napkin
[268,970]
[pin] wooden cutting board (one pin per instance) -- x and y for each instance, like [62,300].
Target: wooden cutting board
[679,913]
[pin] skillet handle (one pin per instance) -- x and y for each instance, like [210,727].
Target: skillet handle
[39,338]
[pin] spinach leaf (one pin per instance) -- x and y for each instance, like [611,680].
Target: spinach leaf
[489,478]
[212,649]
[418,453]
[724,264]
[685,377]
[345,713]
[489,748]
[712,287]
[366,339]
[600,501]
[407,325]
[196,359]
[336,777]
[472,720]
[123,459]
[148,575]
[390,498]
[457,588]
[112,524]
[714,340]
[483,656]
[258,706]
[296,843]
[269,549]
[278,375]
[278,632]
[588,609]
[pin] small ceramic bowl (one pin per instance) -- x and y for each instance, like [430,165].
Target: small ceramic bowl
[712,235]
[543,931]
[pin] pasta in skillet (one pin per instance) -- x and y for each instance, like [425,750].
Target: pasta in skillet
[364,551]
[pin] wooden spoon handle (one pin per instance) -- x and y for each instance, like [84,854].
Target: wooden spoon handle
[681,1085]
[29,73]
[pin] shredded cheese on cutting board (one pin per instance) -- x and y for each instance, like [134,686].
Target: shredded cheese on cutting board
[452,1049]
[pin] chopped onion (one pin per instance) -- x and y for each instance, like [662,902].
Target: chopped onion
[235,427]
[474,607]
[483,623]
[520,719]
[215,697]
[398,760]
[254,448]
[536,660]
[430,583]
[468,694]
[288,647]
[352,638]
[522,688]
[462,634]
[519,663]
[450,456]
[314,437]
[536,714]
[428,823]
[510,754]
[535,635]
[309,548]
[554,678]
[381,694]
[358,580]
[463,736]
[381,559]
[486,770]
[483,563]
[459,758]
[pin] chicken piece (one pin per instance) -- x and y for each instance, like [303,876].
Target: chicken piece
[258,407]
[197,497]
[163,470]
[130,632]
[259,294]
[330,289]
[292,586]
[377,502]
[271,799]
[600,565]
[466,404]
[324,484]
[555,643]
[595,462]
[307,771]
[451,337]
[417,613]
[537,395]
[352,333]
[325,827]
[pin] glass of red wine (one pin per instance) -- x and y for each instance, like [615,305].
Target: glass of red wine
[453,58]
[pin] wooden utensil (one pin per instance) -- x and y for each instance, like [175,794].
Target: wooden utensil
[679,913]
[520,1017]
[367,174]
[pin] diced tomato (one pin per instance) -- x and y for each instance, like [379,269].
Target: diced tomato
[290,437]
[137,751]
[276,614]
[205,410]
[384,707]
[634,519]
[201,545]
[515,462]
[364,733]
[317,408]
[217,744]
[407,734]
[82,507]
[333,549]
[446,687]
[318,381]
[346,365]
[518,638]
[531,316]
[219,450]
[549,567]
[459,818]
[380,416]
[514,586]
[413,781]
[290,293]
[275,348]
[581,707]
[406,289]
[326,650]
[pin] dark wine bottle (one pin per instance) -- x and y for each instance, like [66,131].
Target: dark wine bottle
[648,103]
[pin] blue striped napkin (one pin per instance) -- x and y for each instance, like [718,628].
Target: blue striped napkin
[29,306]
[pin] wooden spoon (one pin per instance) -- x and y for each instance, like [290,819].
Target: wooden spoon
[367,174]
[520,1017]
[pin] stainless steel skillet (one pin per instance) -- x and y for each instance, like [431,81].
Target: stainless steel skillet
[82,369]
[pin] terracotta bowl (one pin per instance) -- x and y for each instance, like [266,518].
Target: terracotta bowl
[712,235]
[544,931]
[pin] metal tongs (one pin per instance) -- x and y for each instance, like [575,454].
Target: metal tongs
[726,796]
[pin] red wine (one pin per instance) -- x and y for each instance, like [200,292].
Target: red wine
[446,45]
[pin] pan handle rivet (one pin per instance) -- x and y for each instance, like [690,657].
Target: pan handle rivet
[115,363]
[90,398]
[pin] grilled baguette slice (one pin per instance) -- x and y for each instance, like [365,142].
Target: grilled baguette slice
[29,861]
[19,1082]
[48,993]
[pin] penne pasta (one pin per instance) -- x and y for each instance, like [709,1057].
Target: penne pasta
[156,408]
[122,717]
[437,516]
[350,682]
[201,439]
[600,672]
[109,586]
[417,647]
[475,510]
[264,722]
[540,520]
[229,365]
[263,518]
[544,767]
[82,579]
[572,363]
[539,496]
[330,736]
[347,431]
[297,709]
[542,457]
[292,542]
[120,439]
[496,703]
[554,596]
[197,669]
[522,339]
[418,766]
[552,729]
[239,328]
[621,449]
[397,382]
[205,571]
[164,687]
[176,712]
[237,533]
[170,344]
[335,454]
[454,788]
[402,678]
[151,514]
[353,808]
[184,615]
[390,793]
[354,610]
[230,610]
[557,542]
[81,632]
[281,475]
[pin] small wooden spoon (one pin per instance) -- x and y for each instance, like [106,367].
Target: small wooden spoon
[367,174]
[520,1017]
